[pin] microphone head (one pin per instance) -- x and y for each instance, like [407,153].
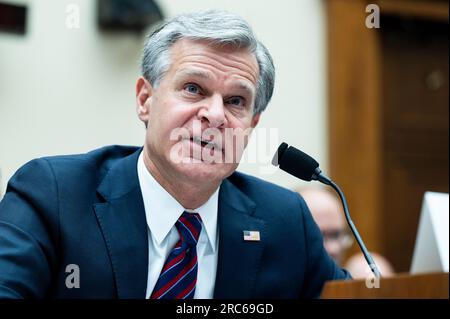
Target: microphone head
[279,153]
[295,162]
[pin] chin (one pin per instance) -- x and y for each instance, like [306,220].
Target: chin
[204,173]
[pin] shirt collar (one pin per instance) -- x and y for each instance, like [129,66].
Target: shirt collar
[162,210]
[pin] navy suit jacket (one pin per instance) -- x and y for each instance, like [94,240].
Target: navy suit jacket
[87,210]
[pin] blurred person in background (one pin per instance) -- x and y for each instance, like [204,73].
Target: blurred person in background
[327,212]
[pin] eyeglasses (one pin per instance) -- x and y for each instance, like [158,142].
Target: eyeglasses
[340,237]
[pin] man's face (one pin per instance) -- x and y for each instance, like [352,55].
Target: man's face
[327,213]
[332,226]
[206,91]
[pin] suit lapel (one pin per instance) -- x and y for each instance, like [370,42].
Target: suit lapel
[239,260]
[122,220]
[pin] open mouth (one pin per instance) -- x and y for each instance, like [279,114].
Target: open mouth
[204,143]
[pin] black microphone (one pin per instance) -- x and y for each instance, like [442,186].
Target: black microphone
[303,166]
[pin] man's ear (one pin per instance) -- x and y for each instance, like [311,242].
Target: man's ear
[144,93]
[255,120]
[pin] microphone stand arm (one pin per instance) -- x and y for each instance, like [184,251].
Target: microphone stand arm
[319,176]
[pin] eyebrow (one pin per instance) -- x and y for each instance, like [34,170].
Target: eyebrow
[244,86]
[205,75]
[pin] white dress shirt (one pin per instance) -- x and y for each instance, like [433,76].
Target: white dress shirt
[162,211]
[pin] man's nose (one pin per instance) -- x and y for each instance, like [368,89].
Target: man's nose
[213,112]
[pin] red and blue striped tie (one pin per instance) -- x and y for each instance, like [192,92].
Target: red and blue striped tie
[179,275]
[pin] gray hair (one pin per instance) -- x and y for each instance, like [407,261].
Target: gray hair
[218,28]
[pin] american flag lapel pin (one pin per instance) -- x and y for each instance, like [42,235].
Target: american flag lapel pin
[251,235]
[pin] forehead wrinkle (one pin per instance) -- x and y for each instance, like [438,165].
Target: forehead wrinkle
[190,72]
[236,64]
[201,70]
[223,64]
[241,59]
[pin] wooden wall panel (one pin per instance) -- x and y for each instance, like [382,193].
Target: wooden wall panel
[415,125]
[354,118]
[388,116]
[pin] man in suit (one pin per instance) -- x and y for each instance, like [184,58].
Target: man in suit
[171,219]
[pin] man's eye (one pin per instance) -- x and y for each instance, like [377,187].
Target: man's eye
[192,88]
[237,101]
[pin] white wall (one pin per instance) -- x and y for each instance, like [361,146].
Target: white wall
[68,90]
